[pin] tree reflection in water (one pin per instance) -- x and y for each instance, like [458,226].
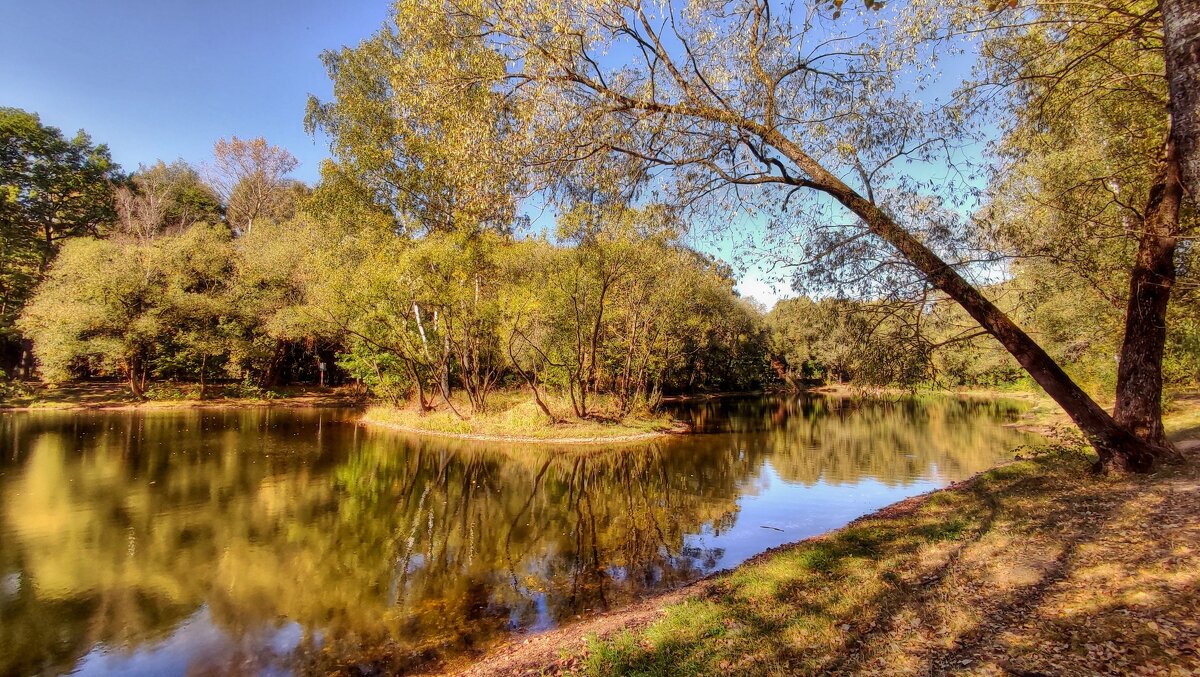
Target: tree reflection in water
[227,541]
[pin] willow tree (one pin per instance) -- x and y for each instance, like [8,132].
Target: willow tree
[414,136]
[1090,177]
[780,111]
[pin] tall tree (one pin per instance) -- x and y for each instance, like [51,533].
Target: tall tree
[1089,157]
[753,95]
[251,176]
[413,128]
[51,188]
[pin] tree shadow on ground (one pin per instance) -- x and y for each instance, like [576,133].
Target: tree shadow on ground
[999,576]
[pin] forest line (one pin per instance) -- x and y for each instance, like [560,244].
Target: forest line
[1065,242]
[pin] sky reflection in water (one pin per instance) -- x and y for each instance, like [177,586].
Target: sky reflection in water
[276,541]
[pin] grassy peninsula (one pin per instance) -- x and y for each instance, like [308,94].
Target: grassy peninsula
[513,416]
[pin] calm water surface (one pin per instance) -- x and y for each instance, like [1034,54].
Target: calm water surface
[279,541]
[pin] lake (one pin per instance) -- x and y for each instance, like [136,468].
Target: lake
[281,541]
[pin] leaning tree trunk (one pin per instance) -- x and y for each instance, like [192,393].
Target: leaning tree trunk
[1117,448]
[1139,376]
[1181,49]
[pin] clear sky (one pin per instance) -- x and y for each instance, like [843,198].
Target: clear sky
[164,79]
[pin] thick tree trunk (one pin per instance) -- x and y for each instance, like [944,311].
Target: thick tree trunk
[1181,42]
[1117,448]
[1139,376]
[133,366]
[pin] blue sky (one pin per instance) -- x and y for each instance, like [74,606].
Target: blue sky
[166,78]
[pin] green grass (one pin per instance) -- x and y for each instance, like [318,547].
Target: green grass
[1037,564]
[162,394]
[514,414]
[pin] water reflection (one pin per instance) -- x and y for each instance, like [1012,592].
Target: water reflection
[278,540]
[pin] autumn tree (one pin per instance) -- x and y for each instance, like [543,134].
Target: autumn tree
[251,176]
[432,159]
[782,103]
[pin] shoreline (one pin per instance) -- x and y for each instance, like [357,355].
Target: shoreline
[305,399]
[543,652]
[677,430]
[567,649]
[115,396]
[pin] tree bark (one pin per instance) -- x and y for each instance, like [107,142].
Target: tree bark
[1117,448]
[135,386]
[1181,47]
[1139,375]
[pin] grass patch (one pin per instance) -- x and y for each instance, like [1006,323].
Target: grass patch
[514,414]
[1034,567]
[164,395]
[1182,415]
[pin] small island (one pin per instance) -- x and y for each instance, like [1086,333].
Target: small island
[514,416]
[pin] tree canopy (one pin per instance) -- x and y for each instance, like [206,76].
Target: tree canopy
[515,187]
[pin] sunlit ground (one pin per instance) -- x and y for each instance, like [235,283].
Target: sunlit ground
[1036,568]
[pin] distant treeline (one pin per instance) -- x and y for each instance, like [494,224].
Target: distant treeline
[935,344]
[252,277]
[234,272]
